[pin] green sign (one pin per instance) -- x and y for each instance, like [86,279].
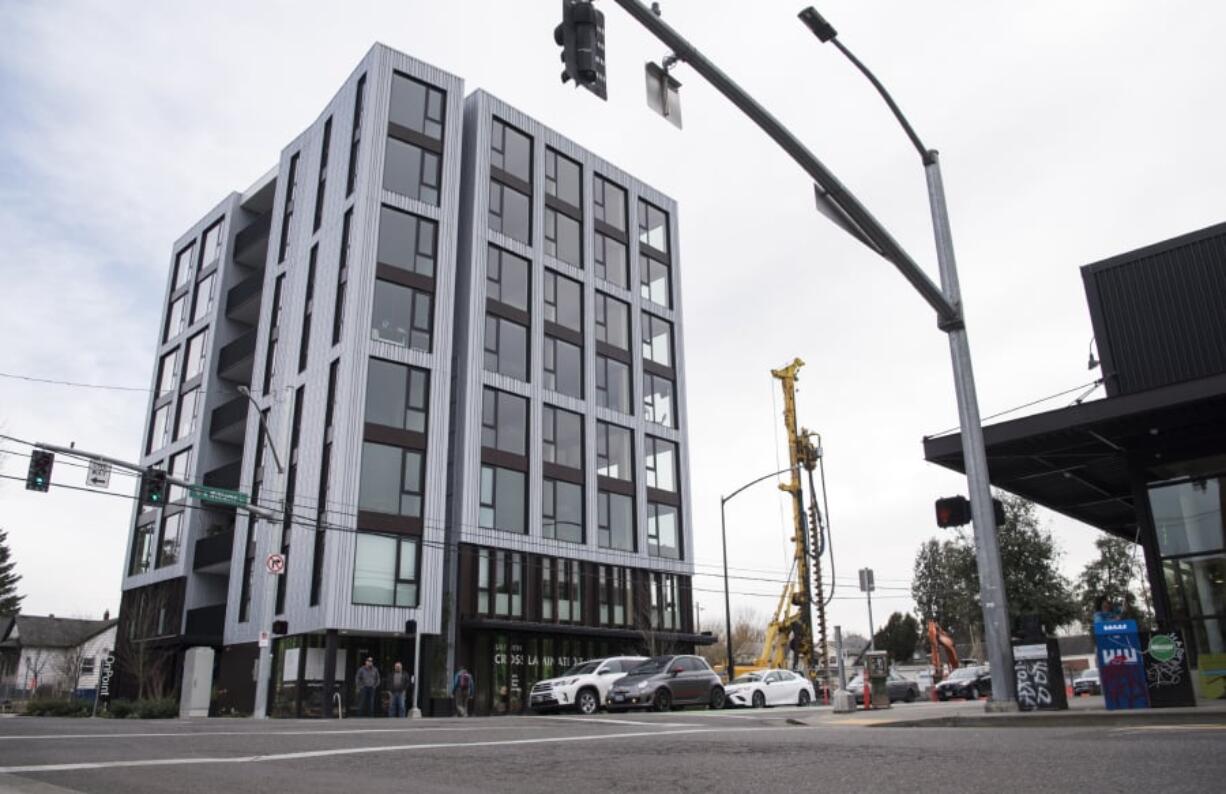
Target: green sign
[222,496]
[1162,648]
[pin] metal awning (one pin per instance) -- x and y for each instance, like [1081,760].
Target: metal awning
[1076,460]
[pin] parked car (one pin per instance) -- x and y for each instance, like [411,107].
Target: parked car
[899,688]
[770,688]
[1088,682]
[966,682]
[583,687]
[663,682]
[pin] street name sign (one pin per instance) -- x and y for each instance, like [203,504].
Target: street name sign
[223,496]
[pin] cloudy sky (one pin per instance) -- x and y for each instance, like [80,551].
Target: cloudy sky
[1069,132]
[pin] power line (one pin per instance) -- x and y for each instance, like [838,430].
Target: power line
[100,386]
[1091,384]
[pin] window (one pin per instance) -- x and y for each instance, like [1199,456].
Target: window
[563,177]
[511,151]
[211,248]
[142,549]
[391,480]
[88,665]
[356,136]
[417,106]
[1188,516]
[504,422]
[168,370]
[189,406]
[562,511]
[610,258]
[616,596]
[506,348]
[609,203]
[158,428]
[412,171]
[612,321]
[181,469]
[406,241]
[396,395]
[274,333]
[175,317]
[500,583]
[654,282]
[291,187]
[204,297]
[510,212]
[562,437]
[615,521]
[568,592]
[321,185]
[657,340]
[665,609]
[614,451]
[563,237]
[653,227]
[563,367]
[194,365]
[663,535]
[661,464]
[183,267]
[342,276]
[401,315]
[506,278]
[308,307]
[563,301]
[385,570]
[168,544]
[504,499]
[612,384]
[658,400]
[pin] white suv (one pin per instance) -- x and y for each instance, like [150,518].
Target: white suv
[583,687]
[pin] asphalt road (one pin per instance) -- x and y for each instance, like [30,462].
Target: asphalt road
[751,751]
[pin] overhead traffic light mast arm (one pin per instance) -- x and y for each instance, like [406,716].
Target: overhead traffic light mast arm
[949,315]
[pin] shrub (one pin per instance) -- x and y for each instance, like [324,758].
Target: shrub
[156,709]
[58,707]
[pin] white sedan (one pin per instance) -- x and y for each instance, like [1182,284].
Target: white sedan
[770,688]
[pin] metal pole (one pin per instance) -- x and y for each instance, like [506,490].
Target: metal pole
[415,712]
[838,648]
[987,550]
[872,644]
[730,665]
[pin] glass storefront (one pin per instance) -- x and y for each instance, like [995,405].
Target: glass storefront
[306,654]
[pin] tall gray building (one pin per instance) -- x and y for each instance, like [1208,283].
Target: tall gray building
[443,344]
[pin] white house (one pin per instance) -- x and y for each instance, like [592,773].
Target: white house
[63,654]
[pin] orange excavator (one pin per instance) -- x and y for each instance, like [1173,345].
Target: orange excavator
[939,640]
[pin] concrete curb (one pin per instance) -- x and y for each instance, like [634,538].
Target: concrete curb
[1058,719]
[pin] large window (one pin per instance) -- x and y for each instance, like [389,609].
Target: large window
[563,301]
[563,237]
[287,216]
[663,531]
[609,203]
[665,606]
[412,171]
[562,590]
[616,596]
[504,499]
[615,521]
[385,570]
[500,583]
[204,297]
[510,212]
[511,151]
[170,541]
[180,469]
[654,281]
[183,266]
[356,134]
[397,395]
[189,407]
[658,400]
[504,422]
[392,480]
[1188,515]
[168,371]
[661,463]
[613,384]
[506,278]
[211,249]
[614,451]
[609,256]
[196,350]
[562,511]
[175,317]
[563,367]
[657,340]
[563,177]
[562,437]
[401,315]
[407,241]
[653,226]
[415,106]
[142,549]
[506,347]
[612,321]
[158,428]
[321,183]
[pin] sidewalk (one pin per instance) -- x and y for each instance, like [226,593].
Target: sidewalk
[1082,712]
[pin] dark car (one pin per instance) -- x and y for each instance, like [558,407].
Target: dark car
[663,682]
[900,688]
[968,683]
[1088,683]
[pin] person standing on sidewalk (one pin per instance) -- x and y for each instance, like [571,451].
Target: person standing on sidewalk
[462,687]
[397,683]
[367,681]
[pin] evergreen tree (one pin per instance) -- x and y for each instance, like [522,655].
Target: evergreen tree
[10,602]
[899,637]
[1113,575]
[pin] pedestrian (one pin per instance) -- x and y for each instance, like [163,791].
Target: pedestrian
[462,687]
[367,681]
[397,682]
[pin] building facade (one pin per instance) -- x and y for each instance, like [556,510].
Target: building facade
[325,349]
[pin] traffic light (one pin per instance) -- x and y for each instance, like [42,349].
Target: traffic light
[955,511]
[410,626]
[581,37]
[280,627]
[153,487]
[39,476]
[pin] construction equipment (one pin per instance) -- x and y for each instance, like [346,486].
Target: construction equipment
[939,640]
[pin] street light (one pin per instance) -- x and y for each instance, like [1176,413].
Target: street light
[991,580]
[723,534]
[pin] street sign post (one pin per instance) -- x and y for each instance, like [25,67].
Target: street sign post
[99,475]
[223,496]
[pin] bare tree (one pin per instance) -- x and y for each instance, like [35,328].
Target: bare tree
[68,669]
[748,634]
[37,661]
[136,652]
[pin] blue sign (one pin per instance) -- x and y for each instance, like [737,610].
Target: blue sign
[1121,664]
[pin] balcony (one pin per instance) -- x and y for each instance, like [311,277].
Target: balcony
[228,423]
[227,476]
[206,625]
[213,553]
[236,359]
[243,300]
[251,244]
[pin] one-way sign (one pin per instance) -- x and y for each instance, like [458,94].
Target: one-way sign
[99,475]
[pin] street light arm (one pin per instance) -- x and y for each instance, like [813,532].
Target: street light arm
[924,153]
[728,498]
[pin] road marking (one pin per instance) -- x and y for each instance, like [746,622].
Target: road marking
[1148,728]
[355,731]
[247,759]
[611,721]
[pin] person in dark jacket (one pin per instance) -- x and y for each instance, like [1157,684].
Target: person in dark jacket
[397,683]
[462,688]
[367,681]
